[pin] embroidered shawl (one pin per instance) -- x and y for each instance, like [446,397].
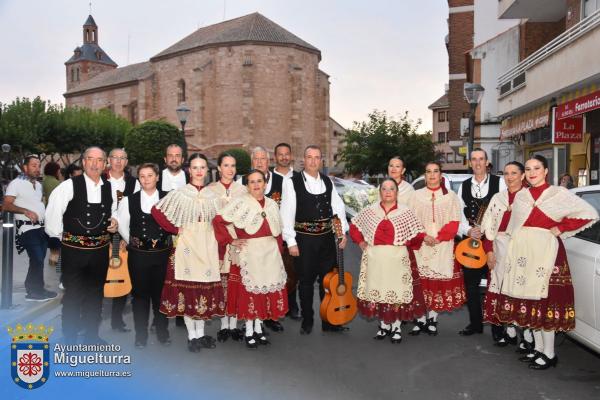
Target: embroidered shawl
[406,225]
[246,213]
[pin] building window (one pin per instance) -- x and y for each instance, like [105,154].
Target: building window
[442,137]
[589,7]
[450,157]
[133,113]
[78,74]
[72,74]
[442,116]
[180,91]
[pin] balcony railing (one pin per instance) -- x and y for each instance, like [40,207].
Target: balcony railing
[516,77]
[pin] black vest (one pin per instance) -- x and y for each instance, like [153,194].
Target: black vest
[472,204]
[276,183]
[144,232]
[129,185]
[312,207]
[87,219]
[159,186]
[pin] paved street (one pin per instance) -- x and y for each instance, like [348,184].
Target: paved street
[346,366]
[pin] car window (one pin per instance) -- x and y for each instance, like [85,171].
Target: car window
[593,233]
[455,186]
[419,184]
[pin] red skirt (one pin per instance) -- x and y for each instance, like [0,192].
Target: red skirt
[554,313]
[445,294]
[198,300]
[249,306]
[390,313]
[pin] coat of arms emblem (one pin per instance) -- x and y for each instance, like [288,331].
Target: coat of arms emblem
[30,355]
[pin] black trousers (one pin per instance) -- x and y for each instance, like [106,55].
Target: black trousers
[83,276]
[116,315]
[472,279]
[147,270]
[317,257]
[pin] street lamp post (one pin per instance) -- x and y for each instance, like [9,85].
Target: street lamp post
[182,113]
[8,227]
[473,94]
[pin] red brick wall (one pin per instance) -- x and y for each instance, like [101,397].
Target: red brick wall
[534,35]
[460,3]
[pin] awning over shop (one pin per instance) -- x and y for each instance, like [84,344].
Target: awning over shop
[536,118]
[578,102]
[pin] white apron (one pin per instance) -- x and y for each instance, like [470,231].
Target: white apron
[261,265]
[197,254]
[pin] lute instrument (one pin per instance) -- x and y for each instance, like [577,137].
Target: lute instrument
[339,304]
[469,252]
[118,281]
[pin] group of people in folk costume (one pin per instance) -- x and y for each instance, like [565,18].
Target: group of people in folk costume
[408,270]
[226,250]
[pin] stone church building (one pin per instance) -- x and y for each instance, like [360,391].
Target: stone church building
[247,81]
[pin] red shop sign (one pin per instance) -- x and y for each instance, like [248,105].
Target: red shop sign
[578,106]
[567,130]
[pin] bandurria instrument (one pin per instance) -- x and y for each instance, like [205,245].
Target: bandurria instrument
[470,252]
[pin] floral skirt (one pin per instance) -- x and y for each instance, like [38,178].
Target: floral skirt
[556,312]
[390,313]
[248,306]
[198,300]
[445,294]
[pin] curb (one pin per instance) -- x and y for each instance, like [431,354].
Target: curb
[34,312]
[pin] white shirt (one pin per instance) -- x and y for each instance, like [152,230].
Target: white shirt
[478,191]
[60,198]
[27,195]
[288,174]
[123,216]
[119,184]
[172,182]
[288,205]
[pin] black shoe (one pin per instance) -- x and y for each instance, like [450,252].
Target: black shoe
[325,327]
[382,333]
[223,335]
[547,362]
[529,357]
[207,342]
[251,342]
[261,339]
[511,340]
[306,329]
[236,335]
[418,328]
[38,297]
[431,327]
[275,326]
[140,344]
[502,342]
[122,329]
[295,315]
[193,346]
[49,294]
[469,330]
[164,340]
[525,347]
[396,337]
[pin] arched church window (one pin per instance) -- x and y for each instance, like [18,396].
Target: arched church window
[72,74]
[77,74]
[180,91]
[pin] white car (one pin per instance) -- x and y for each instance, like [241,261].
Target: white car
[453,181]
[583,252]
[342,185]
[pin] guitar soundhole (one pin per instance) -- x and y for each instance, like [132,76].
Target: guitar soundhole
[341,289]
[474,244]
[115,262]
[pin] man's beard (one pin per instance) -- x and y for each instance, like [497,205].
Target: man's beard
[173,168]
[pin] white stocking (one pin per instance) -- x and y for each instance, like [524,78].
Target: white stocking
[249,328]
[539,341]
[257,325]
[511,331]
[189,324]
[232,322]
[549,343]
[433,315]
[383,325]
[224,323]
[396,325]
[527,335]
[199,328]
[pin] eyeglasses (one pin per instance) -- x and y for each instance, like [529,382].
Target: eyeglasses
[118,158]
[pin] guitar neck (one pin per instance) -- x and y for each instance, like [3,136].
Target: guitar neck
[340,253]
[116,244]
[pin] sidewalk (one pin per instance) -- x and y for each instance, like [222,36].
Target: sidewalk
[24,311]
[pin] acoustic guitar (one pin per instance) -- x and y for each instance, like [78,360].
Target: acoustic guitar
[118,282]
[339,304]
[469,252]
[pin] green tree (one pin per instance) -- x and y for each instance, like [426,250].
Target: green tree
[370,144]
[242,160]
[147,142]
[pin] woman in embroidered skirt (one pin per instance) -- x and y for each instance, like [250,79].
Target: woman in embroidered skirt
[224,191]
[388,284]
[256,288]
[536,290]
[438,209]
[493,225]
[396,171]
[192,286]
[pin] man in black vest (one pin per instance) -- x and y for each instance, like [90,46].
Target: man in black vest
[149,247]
[309,202]
[125,185]
[259,159]
[283,167]
[80,212]
[475,194]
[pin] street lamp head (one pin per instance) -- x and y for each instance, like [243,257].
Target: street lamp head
[473,93]
[182,113]
[6,148]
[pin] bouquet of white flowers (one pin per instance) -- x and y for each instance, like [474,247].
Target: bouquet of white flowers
[357,199]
